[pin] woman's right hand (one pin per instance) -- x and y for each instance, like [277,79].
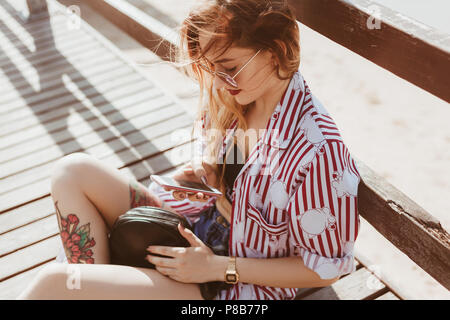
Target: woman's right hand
[194,172]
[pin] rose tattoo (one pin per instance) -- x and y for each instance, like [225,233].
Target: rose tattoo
[76,240]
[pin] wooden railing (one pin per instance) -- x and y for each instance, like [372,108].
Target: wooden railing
[414,52]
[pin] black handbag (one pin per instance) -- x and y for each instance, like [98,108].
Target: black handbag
[143,226]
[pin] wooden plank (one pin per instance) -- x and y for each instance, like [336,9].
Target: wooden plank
[13,287]
[136,116]
[383,276]
[351,287]
[25,214]
[37,6]
[148,31]
[36,10]
[399,44]
[59,119]
[57,67]
[95,71]
[54,44]
[404,223]
[31,233]
[41,63]
[42,31]
[29,257]
[90,93]
[22,57]
[33,28]
[54,72]
[37,30]
[121,74]
[36,136]
[47,117]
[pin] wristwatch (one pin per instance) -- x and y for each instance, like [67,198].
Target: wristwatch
[231,275]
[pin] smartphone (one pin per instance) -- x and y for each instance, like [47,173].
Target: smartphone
[188,186]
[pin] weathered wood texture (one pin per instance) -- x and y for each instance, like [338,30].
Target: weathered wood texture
[35,6]
[146,30]
[65,91]
[404,223]
[407,48]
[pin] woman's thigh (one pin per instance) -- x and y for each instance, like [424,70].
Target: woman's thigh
[105,281]
[108,189]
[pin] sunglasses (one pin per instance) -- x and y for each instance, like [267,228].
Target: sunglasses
[224,76]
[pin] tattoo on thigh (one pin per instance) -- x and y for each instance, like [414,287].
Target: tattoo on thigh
[76,239]
[140,196]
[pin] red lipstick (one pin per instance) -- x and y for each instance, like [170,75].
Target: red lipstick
[234,92]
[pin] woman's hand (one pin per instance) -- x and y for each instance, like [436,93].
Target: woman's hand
[194,172]
[205,172]
[189,265]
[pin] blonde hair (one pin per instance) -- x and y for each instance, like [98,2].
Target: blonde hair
[255,24]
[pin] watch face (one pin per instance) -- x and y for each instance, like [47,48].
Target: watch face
[231,278]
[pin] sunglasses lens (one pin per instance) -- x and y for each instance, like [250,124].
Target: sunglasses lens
[230,81]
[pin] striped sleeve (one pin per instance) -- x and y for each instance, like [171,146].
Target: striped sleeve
[323,215]
[190,209]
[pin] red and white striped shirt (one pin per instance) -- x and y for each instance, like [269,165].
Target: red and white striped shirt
[296,194]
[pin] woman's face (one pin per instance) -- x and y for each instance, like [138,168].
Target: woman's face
[253,81]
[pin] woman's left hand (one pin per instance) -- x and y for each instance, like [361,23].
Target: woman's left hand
[188,265]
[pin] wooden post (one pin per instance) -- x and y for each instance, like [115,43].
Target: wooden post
[36,6]
[37,9]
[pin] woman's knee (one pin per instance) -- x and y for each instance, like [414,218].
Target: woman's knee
[50,282]
[69,168]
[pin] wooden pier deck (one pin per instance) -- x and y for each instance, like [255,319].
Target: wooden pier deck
[68,90]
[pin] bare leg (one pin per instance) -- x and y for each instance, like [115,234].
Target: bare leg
[102,281]
[89,195]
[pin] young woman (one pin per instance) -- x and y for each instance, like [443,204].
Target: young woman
[288,217]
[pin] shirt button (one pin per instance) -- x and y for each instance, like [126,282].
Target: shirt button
[275,115]
[275,143]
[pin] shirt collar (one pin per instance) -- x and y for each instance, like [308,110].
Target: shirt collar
[283,121]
